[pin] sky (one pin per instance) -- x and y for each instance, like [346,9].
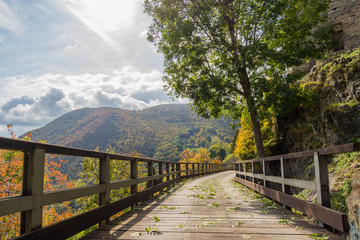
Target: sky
[62,55]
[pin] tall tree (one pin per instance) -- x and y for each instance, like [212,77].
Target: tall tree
[231,56]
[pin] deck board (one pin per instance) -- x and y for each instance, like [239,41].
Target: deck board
[201,220]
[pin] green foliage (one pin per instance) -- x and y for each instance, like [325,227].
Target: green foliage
[205,224]
[245,144]
[161,132]
[230,159]
[152,230]
[231,58]
[342,168]
[318,236]
[219,150]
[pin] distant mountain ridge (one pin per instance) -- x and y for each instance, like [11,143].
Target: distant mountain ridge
[160,132]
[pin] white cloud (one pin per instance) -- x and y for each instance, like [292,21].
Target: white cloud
[42,99]
[9,19]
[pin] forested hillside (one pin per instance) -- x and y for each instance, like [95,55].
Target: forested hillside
[160,132]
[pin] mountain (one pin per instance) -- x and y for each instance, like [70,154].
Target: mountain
[160,132]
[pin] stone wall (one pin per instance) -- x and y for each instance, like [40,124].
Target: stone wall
[346,15]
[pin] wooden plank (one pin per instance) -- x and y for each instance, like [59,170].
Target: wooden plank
[328,216]
[29,146]
[255,224]
[134,175]
[15,204]
[104,172]
[69,194]
[322,180]
[33,185]
[150,173]
[350,147]
[306,184]
[73,225]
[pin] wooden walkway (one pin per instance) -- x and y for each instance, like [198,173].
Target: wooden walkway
[211,207]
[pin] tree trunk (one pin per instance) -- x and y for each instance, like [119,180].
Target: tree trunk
[245,83]
[257,135]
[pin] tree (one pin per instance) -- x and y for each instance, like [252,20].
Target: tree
[232,56]
[11,172]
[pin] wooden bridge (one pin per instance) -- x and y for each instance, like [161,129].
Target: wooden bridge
[196,200]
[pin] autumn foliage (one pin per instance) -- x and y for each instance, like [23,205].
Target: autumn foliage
[11,163]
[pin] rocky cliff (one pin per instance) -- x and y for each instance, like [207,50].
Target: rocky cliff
[335,118]
[353,203]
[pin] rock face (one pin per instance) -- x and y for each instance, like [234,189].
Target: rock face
[335,118]
[353,203]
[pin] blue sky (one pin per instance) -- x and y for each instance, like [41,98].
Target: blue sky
[61,55]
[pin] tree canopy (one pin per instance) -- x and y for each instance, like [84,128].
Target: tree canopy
[231,56]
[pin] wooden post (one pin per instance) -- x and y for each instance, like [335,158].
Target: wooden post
[134,175]
[178,175]
[168,171]
[285,173]
[246,171]
[173,170]
[266,171]
[187,170]
[160,171]
[322,182]
[33,184]
[237,169]
[150,173]
[253,171]
[104,197]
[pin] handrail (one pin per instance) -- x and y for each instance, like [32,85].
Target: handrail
[33,197]
[278,187]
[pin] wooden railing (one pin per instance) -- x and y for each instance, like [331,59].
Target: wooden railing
[256,175]
[30,204]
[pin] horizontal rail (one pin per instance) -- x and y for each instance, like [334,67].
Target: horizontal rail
[73,225]
[247,173]
[287,181]
[324,214]
[29,146]
[350,147]
[31,203]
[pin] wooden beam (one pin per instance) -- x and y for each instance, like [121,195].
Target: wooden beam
[326,215]
[306,184]
[104,179]
[33,184]
[29,146]
[71,226]
[150,173]
[350,147]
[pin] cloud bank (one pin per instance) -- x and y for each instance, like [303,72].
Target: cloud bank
[41,99]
